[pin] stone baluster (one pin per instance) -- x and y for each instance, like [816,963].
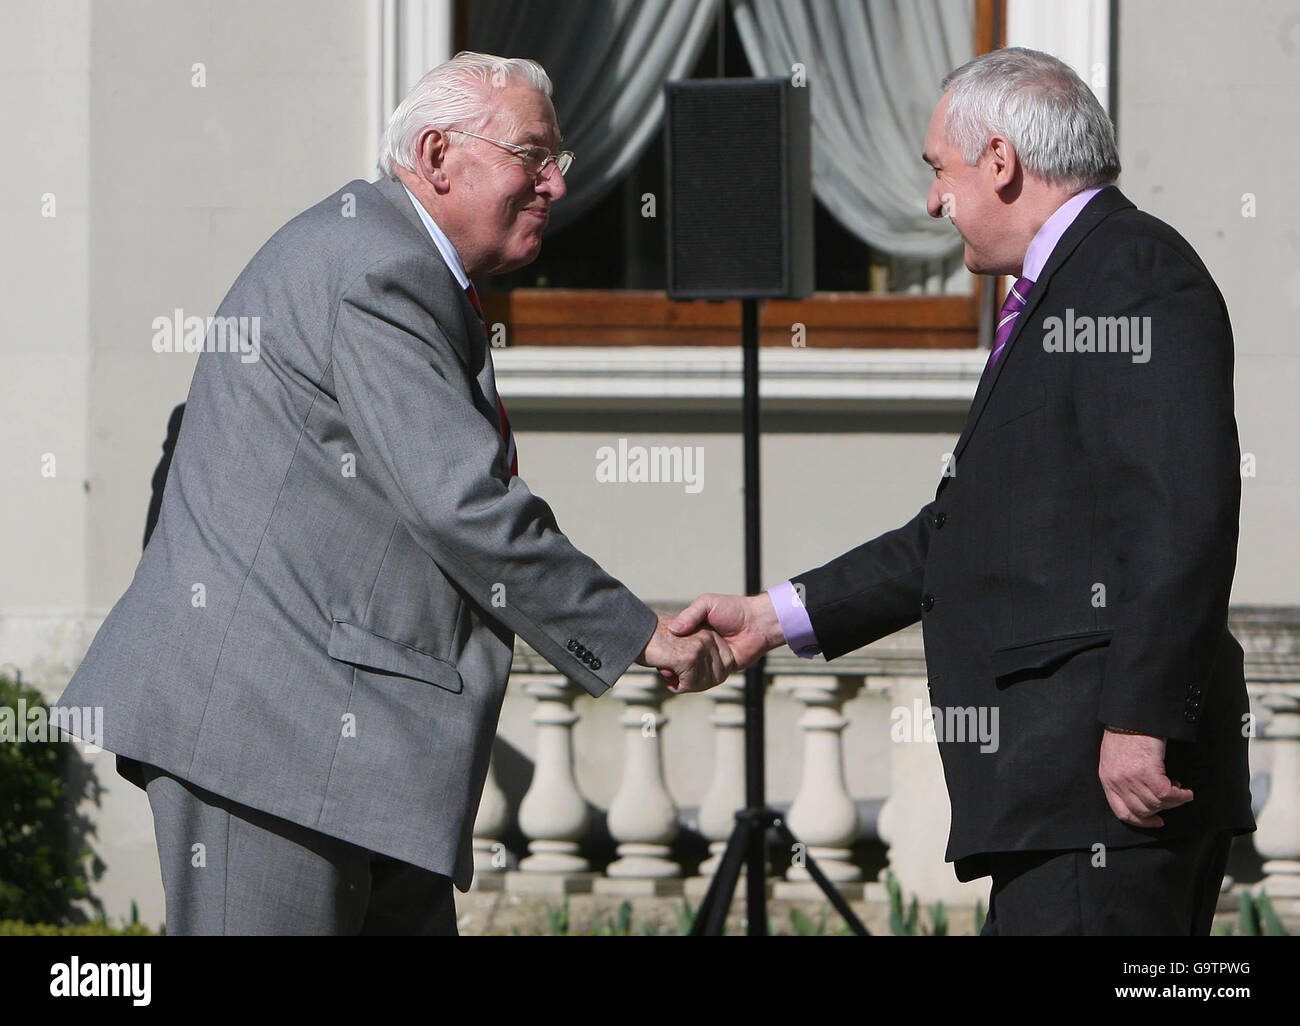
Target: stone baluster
[642,816]
[491,859]
[1277,839]
[553,813]
[726,792]
[915,818]
[822,816]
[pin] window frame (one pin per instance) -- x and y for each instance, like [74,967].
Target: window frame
[859,320]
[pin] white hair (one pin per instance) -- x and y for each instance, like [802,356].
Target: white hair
[455,94]
[1059,130]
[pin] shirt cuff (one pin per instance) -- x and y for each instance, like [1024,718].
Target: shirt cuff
[795,623]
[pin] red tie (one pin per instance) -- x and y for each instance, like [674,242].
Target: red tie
[512,453]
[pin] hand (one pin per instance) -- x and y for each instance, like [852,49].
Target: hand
[748,623]
[694,663]
[1132,772]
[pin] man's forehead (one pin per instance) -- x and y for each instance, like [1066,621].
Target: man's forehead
[936,139]
[526,114]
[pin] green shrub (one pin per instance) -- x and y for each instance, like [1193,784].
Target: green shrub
[805,926]
[1255,918]
[42,839]
[618,925]
[12,928]
[908,924]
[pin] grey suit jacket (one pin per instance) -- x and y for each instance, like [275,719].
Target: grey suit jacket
[321,626]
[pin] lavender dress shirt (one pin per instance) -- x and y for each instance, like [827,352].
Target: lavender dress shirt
[790,610]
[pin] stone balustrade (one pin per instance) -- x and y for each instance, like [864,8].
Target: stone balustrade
[634,794]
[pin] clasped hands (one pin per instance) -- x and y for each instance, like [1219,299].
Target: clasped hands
[700,647]
[716,634]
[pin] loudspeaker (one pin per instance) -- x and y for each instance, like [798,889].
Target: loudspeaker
[738,171]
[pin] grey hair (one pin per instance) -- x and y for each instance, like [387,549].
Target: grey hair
[1059,130]
[455,94]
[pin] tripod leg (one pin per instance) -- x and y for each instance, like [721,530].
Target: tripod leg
[712,915]
[827,888]
[756,884]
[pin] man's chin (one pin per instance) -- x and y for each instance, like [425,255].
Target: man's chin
[523,260]
[980,265]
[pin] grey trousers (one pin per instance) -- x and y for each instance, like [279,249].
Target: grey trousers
[229,869]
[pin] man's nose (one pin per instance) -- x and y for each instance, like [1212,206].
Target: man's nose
[934,202]
[552,183]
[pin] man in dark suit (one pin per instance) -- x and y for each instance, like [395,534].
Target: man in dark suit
[1072,573]
[308,666]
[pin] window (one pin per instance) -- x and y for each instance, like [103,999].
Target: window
[599,280]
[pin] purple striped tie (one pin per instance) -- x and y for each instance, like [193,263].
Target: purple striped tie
[1015,302]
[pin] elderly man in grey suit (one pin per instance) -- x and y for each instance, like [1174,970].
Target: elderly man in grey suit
[308,667]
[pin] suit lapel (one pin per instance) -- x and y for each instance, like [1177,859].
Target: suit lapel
[1100,207]
[395,192]
[476,354]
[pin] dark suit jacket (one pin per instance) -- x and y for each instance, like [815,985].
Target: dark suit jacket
[1078,469]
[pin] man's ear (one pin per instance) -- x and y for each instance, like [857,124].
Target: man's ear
[433,154]
[1004,162]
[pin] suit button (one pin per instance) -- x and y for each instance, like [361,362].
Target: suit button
[595,664]
[927,603]
[940,519]
[573,645]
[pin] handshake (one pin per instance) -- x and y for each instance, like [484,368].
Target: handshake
[699,647]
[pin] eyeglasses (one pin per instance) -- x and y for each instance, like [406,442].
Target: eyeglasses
[537,159]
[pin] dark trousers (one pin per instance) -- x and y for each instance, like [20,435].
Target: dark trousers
[1164,889]
[229,869]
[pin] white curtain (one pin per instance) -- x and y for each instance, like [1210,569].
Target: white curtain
[608,61]
[874,68]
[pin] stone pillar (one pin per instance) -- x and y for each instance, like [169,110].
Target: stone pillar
[822,816]
[1277,839]
[642,816]
[553,814]
[726,793]
[491,860]
[915,818]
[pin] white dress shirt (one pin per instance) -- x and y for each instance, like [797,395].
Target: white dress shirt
[440,240]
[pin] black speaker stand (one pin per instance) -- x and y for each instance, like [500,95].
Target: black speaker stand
[749,836]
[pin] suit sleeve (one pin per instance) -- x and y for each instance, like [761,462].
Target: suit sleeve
[408,398]
[870,591]
[1161,439]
